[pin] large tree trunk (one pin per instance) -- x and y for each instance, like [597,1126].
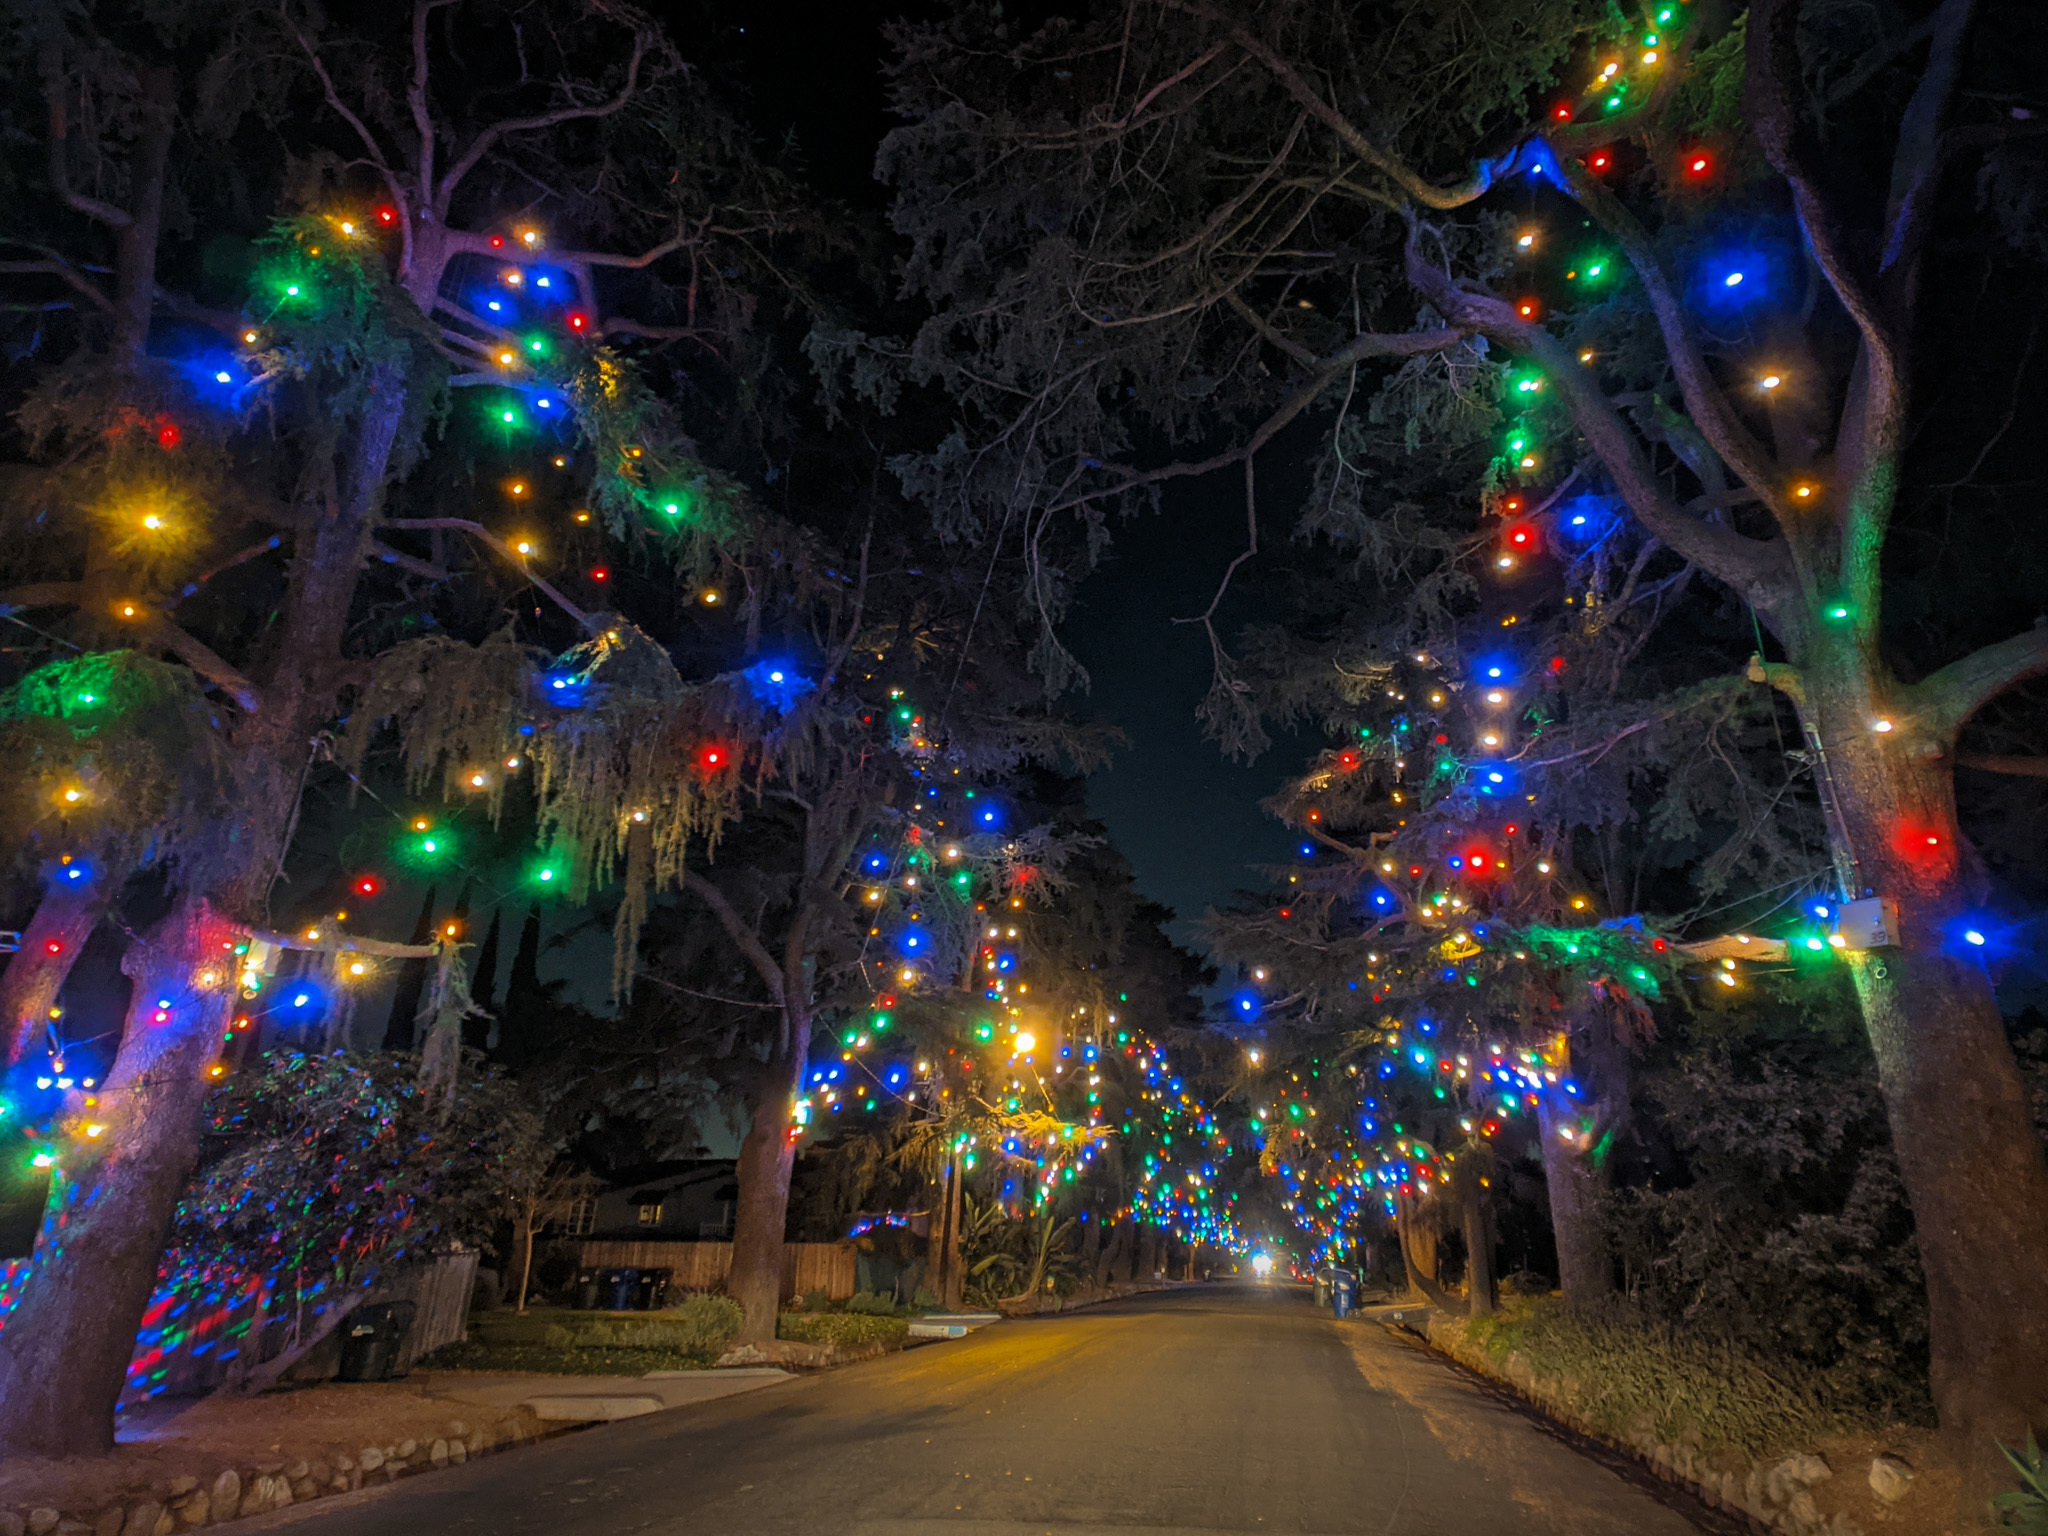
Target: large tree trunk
[761,1217]
[1576,1183]
[65,1352]
[1417,1232]
[1968,1153]
[953,1291]
[136,245]
[1478,1225]
[64,920]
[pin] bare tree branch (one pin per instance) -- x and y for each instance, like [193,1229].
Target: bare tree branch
[60,172]
[1942,701]
[1758,569]
[743,937]
[482,144]
[505,551]
[1987,762]
[65,273]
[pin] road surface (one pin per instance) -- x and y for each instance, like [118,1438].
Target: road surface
[1192,1413]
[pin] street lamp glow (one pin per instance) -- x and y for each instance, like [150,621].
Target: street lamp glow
[1262,1264]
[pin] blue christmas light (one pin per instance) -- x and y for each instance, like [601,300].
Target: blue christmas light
[776,683]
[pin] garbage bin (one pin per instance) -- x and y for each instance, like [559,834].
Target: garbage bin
[1343,1292]
[652,1290]
[372,1339]
[1322,1291]
[587,1282]
[619,1288]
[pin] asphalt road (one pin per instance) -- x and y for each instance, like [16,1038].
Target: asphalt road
[1201,1411]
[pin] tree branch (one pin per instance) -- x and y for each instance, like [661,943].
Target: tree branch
[1758,569]
[60,173]
[1987,762]
[744,938]
[504,550]
[1944,700]
[1365,345]
[1770,93]
[1704,400]
[65,273]
[483,142]
[197,655]
[43,594]
[1917,158]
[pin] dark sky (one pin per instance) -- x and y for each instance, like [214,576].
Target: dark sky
[1186,816]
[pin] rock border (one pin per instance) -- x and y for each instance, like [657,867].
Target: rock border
[274,1484]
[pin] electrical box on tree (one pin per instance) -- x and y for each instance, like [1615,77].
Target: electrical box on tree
[1872,923]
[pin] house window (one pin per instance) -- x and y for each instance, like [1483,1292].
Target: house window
[581,1217]
[650,1215]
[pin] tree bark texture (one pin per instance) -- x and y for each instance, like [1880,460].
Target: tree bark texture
[1478,1224]
[761,1217]
[1968,1153]
[954,1291]
[65,918]
[65,1350]
[1585,1267]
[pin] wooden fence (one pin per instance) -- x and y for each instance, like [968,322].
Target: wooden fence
[806,1267]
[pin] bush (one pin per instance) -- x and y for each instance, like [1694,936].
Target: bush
[872,1304]
[700,1323]
[716,1318]
[594,1360]
[1620,1375]
[842,1328]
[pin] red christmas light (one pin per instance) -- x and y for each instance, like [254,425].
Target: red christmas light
[578,321]
[1287,911]
[368,885]
[1347,760]
[1512,829]
[497,242]
[168,436]
[600,574]
[1476,860]
[1557,663]
[1659,945]
[54,947]
[1528,309]
[1599,160]
[1562,112]
[713,758]
[387,215]
[1699,164]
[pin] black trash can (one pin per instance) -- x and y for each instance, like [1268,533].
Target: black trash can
[652,1290]
[372,1339]
[619,1288]
[588,1282]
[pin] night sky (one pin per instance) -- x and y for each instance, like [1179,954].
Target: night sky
[1185,815]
